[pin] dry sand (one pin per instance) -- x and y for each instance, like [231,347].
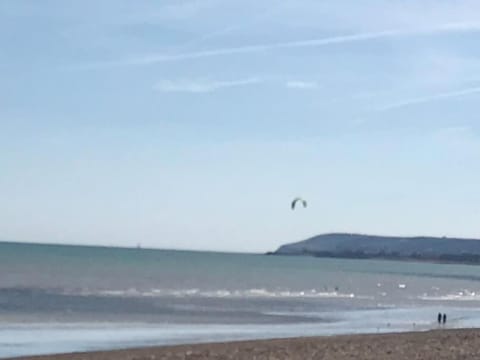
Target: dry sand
[435,344]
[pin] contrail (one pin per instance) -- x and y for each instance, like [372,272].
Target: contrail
[145,60]
[427,99]
[159,58]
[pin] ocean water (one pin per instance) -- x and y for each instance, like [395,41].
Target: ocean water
[66,298]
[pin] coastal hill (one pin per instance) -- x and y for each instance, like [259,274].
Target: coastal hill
[357,246]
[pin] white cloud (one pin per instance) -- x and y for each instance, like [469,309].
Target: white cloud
[197,86]
[301,85]
[430,98]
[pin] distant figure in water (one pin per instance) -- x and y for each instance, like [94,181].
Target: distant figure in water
[439,318]
[444,319]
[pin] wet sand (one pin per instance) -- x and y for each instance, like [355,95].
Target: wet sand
[434,344]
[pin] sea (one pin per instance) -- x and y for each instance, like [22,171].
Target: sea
[57,299]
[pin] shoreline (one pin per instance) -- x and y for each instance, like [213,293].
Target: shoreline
[425,345]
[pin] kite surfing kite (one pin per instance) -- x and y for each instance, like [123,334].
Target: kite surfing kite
[298,200]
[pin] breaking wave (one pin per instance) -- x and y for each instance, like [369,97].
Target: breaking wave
[222,293]
[464,295]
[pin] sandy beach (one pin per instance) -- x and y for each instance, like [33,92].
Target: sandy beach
[434,344]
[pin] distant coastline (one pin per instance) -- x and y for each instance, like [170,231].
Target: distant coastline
[414,249]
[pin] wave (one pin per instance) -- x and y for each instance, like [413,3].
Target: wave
[465,295]
[221,293]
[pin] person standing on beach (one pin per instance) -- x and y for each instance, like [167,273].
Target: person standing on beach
[439,318]
[444,319]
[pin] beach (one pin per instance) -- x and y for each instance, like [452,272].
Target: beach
[433,344]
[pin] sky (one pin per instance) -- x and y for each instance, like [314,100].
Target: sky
[192,124]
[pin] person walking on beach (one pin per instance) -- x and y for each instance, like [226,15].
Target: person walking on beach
[444,319]
[439,318]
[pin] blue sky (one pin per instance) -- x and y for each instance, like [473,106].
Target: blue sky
[192,124]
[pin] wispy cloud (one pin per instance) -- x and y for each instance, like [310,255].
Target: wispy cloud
[359,37]
[430,98]
[301,85]
[198,86]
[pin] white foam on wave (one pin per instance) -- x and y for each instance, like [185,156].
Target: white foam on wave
[223,293]
[464,295]
[459,296]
